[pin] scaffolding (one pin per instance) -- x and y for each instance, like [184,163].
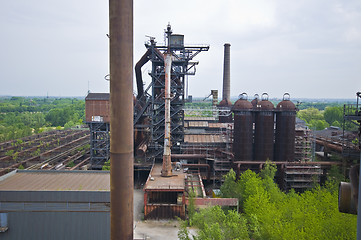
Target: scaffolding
[301,177]
[304,145]
[352,116]
[99,144]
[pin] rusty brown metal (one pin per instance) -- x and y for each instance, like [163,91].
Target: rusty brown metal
[121,119]
[264,130]
[285,130]
[243,129]
[332,146]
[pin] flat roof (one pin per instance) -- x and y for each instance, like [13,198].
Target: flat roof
[199,119]
[42,180]
[202,124]
[157,182]
[204,138]
[219,125]
[98,96]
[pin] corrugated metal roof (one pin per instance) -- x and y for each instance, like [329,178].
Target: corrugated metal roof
[220,125]
[24,180]
[199,119]
[157,182]
[204,138]
[97,96]
[202,124]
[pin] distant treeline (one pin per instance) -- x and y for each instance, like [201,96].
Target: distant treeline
[23,116]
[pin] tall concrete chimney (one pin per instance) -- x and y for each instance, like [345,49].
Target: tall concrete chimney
[167,161]
[121,119]
[227,73]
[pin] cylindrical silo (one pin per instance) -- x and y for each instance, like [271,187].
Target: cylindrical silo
[224,111]
[264,130]
[255,101]
[285,130]
[243,129]
[254,104]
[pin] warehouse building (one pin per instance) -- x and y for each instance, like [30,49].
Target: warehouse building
[55,205]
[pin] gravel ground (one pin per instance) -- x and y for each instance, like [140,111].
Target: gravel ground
[151,229]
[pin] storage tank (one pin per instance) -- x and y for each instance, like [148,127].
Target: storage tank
[254,104]
[285,130]
[264,130]
[224,111]
[255,101]
[243,129]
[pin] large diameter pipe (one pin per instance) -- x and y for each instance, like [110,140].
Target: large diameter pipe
[227,73]
[138,72]
[121,119]
[167,162]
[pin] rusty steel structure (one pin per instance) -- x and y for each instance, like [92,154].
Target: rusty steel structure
[121,119]
[225,114]
[264,130]
[285,130]
[243,129]
[97,117]
[150,101]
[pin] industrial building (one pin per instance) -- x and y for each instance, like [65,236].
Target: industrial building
[236,136]
[182,150]
[55,205]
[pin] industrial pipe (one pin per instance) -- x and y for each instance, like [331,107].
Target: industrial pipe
[190,156]
[121,119]
[167,161]
[332,146]
[138,72]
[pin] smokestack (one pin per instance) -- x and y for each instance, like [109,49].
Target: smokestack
[121,119]
[227,73]
[167,161]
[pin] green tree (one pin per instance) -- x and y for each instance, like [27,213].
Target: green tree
[310,114]
[332,114]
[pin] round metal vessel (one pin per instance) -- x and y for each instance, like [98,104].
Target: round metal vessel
[264,130]
[225,105]
[243,129]
[255,101]
[285,130]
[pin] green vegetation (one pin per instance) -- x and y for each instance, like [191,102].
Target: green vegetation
[330,116]
[21,116]
[106,166]
[268,213]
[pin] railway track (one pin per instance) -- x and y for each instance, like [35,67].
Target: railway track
[53,151]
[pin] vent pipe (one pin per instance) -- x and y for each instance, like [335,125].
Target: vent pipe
[121,119]
[227,73]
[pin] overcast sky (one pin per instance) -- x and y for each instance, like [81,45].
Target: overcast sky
[308,48]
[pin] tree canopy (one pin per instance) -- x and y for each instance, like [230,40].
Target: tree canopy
[268,213]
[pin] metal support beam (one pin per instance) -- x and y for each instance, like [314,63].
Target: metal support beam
[121,119]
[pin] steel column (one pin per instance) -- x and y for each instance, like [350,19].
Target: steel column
[121,119]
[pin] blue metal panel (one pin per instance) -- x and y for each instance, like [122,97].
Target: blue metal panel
[57,225]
